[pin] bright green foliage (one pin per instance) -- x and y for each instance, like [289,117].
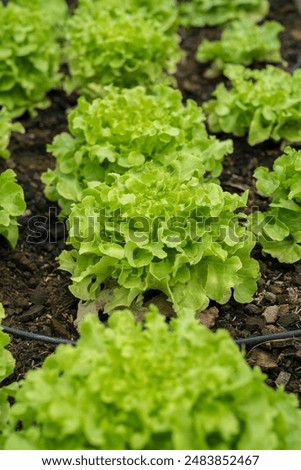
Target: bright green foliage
[176,386]
[105,47]
[242,42]
[124,130]
[12,205]
[55,11]
[279,229]
[6,127]
[150,231]
[165,11]
[29,59]
[215,12]
[7,365]
[262,103]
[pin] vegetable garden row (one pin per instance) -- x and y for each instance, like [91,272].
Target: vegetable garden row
[136,178]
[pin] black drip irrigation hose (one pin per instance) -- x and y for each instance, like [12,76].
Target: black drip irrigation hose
[251,341]
[35,336]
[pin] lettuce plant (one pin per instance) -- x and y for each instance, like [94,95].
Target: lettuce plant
[105,47]
[125,129]
[6,127]
[56,12]
[148,230]
[242,42]
[165,11]
[7,365]
[29,59]
[177,386]
[12,205]
[216,12]
[261,103]
[279,228]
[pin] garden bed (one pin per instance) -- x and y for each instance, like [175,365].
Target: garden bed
[35,292]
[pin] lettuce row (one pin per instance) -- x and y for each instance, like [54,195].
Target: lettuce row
[6,128]
[279,228]
[242,42]
[125,129]
[177,386]
[148,230]
[12,205]
[263,104]
[29,59]
[216,12]
[143,51]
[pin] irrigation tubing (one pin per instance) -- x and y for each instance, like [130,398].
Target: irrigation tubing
[251,341]
[36,337]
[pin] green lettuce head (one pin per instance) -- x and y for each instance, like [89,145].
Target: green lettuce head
[149,231]
[125,129]
[126,386]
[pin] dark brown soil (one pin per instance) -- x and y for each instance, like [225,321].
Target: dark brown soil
[35,292]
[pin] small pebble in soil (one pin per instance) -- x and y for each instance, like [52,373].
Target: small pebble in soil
[288,319]
[208,317]
[270,297]
[283,378]
[262,358]
[253,309]
[271,313]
